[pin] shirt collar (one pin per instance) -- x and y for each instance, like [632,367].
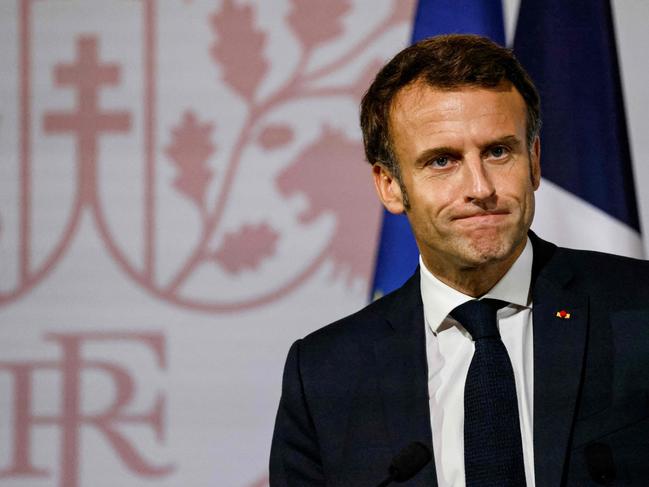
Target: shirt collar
[439,299]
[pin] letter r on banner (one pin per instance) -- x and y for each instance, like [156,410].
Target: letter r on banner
[71,416]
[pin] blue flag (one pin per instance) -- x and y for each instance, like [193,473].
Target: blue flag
[568,48]
[397,255]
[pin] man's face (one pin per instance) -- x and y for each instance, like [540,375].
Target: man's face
[468,173]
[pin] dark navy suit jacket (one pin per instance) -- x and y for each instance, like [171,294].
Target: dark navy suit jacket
[355,392]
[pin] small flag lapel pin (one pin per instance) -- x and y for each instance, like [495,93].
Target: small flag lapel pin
[563,314]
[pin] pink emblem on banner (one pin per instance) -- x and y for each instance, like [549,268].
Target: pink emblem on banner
[264,200]
[207,152]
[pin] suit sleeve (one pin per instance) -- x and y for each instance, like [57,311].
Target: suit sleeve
[295,455]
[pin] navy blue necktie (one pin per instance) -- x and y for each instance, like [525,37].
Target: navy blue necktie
[493,453]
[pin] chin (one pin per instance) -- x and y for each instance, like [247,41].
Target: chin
[486,250]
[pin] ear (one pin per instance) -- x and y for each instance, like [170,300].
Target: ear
[535,162]
[388,189]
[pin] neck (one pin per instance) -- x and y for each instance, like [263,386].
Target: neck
[474,282]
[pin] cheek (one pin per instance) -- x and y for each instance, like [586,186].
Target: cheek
[434,203]
[518,187]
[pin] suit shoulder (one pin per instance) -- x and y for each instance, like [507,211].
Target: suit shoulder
[362,324]
[607,271]
[377,320]
[593,260]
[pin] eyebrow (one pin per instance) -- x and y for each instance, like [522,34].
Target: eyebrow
[429,154]
[510,140]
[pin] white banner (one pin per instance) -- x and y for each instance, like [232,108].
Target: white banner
[183,193]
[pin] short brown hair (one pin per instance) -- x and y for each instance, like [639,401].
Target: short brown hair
[445,62]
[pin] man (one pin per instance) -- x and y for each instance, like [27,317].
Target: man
[451,128]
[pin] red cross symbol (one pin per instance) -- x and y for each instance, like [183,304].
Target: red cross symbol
[87,75]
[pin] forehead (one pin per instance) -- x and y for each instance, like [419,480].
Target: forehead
[420,106]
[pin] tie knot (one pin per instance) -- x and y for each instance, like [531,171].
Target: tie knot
[478,317]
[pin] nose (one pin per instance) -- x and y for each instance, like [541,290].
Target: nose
[478,183]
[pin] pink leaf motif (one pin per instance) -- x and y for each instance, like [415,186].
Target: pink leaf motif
[365,79]
[190,150]
[239,49]
[317,21]
[275,136]
[246,248]
[403,11]
[333,176]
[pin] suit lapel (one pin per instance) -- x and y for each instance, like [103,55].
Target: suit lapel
[403,376]
[559,345]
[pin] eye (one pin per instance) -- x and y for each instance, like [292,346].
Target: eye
[498,152]
[440,161]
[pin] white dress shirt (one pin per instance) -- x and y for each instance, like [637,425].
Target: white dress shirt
[449,350]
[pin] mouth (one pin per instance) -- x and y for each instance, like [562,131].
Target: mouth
[482,217]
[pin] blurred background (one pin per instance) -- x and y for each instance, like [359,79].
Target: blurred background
[183,193]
